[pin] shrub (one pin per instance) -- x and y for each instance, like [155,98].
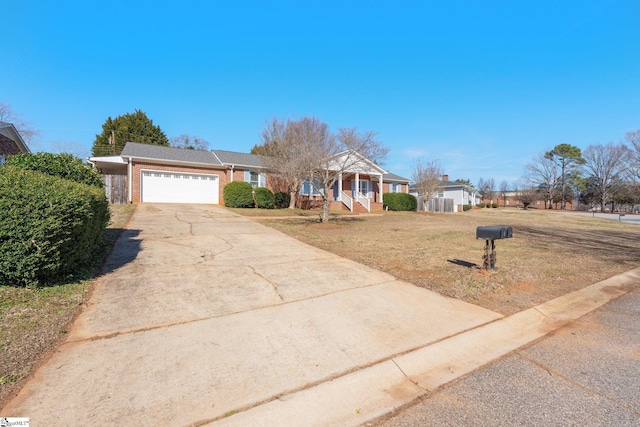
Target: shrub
[495,205]
[282,200]
[480,205]
[61,165]
[49,227]
[400,201]
[238,194]
[466,208]
[264,198]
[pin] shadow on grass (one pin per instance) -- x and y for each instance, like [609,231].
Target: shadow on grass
[463,263]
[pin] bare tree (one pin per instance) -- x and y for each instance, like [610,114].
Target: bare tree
[342,155]
[290,148]
[504,191]
[24,127]
[70,147]
[489,189]
[606,165]
[426,175]
[189,142]
[543,173]
[527,195]
[633,138]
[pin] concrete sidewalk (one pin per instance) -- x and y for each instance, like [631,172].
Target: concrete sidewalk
[207,318]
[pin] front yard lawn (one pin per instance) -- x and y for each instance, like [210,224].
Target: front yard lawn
[549,255]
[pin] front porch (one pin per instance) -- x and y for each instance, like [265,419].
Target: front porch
[357,193]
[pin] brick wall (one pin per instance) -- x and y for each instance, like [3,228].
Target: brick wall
[8,146]
[138,166]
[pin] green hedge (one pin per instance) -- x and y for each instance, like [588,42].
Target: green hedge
[237,194]
[61,165]
[49,227]
[264,198]
[480,205]
[399,202]
[282,199]
[466,208]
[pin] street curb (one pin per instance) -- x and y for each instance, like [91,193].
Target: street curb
[372,392]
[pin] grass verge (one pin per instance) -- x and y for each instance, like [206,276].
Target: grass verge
[34,320]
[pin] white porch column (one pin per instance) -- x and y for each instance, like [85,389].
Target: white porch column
[339,186]
[380,191]
[357,185]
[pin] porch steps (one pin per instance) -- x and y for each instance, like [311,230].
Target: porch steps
[358,208]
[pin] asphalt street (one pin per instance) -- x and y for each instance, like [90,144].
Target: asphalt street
[628,218]
[586,373]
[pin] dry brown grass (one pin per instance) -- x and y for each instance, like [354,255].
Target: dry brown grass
[550,254]
[33,321]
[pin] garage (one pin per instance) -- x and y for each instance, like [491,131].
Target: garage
[177,187]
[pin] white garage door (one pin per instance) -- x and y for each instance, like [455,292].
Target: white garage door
[175,187]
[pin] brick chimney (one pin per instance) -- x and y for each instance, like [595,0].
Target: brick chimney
[445,178]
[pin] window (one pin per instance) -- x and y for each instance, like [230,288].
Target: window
[364,188]
[1,159]
[309,190]
[440,194]
[254,179]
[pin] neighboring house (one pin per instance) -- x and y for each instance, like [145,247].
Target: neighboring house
[10,142]
[176,175]
[461,194]
[514,199]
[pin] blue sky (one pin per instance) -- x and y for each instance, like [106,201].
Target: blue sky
[482,86]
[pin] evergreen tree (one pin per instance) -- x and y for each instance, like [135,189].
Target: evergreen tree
[130,127]
[569,159]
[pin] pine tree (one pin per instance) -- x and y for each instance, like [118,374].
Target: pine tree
[130,127]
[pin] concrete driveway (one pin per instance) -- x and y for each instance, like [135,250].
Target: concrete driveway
[204,317]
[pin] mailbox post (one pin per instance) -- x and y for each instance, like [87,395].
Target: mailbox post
[491,234]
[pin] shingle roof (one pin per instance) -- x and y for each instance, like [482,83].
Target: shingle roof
[239,159]
[158,152]
[392,177]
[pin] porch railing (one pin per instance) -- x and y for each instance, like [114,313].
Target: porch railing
[364,201]
[348,201]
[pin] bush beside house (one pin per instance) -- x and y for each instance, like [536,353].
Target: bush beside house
[238,194]
[282,199]
[400,202]
[49,227]
[264,198]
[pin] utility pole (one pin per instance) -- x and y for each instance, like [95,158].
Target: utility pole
[112,142]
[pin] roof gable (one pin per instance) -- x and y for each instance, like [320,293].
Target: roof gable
[355,162]
[10,131]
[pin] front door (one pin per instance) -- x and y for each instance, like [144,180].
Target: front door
[364,188]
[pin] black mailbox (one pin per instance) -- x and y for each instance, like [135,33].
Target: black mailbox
[491,233]
[494,232]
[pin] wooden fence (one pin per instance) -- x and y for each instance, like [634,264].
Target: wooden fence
[115,187]
[441,205]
